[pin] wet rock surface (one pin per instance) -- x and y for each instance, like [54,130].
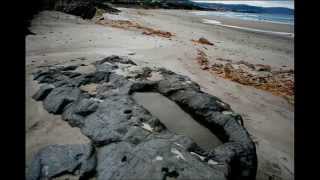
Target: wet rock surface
[55,160]
[133,144]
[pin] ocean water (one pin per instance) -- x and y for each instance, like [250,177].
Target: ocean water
[284,17]
[261,3]
[274,18]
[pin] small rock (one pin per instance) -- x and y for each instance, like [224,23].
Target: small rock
[262,67]
[203,40]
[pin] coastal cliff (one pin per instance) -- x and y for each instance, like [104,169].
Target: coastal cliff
[87,8]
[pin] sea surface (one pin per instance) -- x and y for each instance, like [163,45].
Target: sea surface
[261,3]
[274,18]
[265,17]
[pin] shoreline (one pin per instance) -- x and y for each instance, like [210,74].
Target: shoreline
[218,23]
[267,27]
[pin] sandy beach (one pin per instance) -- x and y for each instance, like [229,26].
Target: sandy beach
[163,38]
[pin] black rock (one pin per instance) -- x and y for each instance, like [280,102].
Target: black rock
[83,8]
[76,112]
[68,68]
[96,77]
[174,82]
[71,74]
[135,144]
[143,86]
[110,122]
[157,158]
[43,92]
[202,105]
[115,59]
[59,98]
[106,6]
[57,160]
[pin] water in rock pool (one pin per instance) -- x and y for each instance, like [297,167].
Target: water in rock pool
[176,120]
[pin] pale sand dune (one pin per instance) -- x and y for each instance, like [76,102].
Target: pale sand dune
[270,119]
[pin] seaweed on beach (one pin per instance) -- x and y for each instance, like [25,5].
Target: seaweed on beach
[126,24]
[278,82]
[202,60]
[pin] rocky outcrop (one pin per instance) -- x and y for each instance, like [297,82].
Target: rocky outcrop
[102,4]
[83,8]
[55,160]
[131,142]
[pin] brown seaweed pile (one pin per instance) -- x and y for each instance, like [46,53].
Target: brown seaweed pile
[131,25]
[279,82]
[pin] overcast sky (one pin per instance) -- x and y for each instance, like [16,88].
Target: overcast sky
[261,3]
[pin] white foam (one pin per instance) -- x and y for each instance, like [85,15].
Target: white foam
[207,21]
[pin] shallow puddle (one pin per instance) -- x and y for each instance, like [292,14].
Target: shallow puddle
[176,120]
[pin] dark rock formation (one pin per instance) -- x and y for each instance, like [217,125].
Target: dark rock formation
[59,98]
[133,143]
[102,4]
[43,92]
[156,158]
[82,8]
[55,160]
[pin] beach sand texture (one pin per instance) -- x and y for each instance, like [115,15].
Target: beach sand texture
[66,39]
